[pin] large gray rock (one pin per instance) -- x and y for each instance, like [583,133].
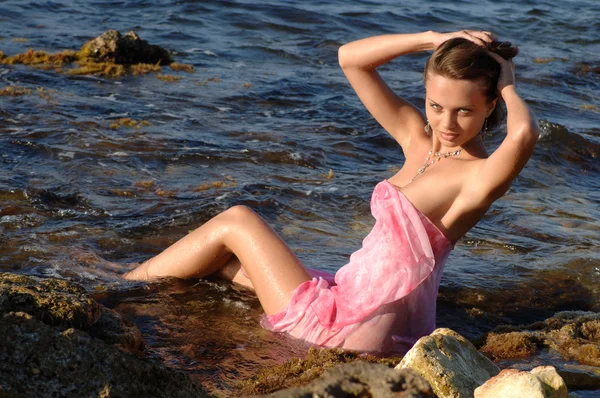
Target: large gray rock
[450,363]
[126,49]
[362,379]
[37,360]
[541,382]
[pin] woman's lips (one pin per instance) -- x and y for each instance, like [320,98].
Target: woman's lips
[448,136]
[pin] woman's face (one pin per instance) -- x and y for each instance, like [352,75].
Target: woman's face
[456,109]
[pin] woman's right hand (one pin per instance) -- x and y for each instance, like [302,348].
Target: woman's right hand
[478,37]
[507,72]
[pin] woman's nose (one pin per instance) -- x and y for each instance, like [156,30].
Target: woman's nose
[448,120]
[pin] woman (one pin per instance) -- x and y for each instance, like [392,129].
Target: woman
[384,298]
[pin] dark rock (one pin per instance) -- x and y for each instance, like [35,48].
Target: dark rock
[126,49]
[580,377]
[37,360]
[65,304]
[53,301]
[362,379]
[113,329]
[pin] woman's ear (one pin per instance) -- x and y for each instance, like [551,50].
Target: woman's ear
[491,107]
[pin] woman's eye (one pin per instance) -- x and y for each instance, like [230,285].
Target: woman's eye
[463,110]
[435,106]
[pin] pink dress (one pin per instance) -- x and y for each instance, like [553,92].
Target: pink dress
[384,299]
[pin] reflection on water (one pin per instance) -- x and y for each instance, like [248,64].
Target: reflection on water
[268,120]
[208,328]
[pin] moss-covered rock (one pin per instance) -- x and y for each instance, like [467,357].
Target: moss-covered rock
[299,371]
[38,360]
[127,49]
[53,301]
[512,345]
[575,335]
[362,379]
[65,305]
[110,54]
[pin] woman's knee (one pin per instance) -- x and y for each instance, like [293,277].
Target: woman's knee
[240,214]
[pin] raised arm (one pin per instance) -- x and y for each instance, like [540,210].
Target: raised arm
[522,132]
[359,61]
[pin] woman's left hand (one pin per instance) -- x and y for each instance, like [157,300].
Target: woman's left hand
[480,37]
[507,72]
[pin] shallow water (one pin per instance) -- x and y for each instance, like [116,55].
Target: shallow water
[265,117]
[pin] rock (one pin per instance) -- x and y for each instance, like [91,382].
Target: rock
[113,329]
[554,385]
[38,360]
[512,345]
[53,301]
[450,363]
[299,372]
[66,304]
[580,377]
[362,379]
[541,382]
[575,335]
[126,49]
[583,68]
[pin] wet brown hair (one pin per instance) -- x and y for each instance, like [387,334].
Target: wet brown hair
[462,59]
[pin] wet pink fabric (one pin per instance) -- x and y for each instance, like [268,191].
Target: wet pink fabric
[384,299]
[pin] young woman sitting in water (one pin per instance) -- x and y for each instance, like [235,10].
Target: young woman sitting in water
[384,299]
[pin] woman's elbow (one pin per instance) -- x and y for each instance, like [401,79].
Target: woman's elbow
[528,134]
[344,57]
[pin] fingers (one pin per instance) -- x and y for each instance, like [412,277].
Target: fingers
[497,57]
[480,37]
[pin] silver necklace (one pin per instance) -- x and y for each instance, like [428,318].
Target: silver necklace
[437,156]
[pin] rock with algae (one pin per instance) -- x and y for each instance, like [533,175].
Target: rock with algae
[362,379]
[450,363]
[127,49]
[110,54]
[298,372]
[65,305]
[575,335]
[38,360]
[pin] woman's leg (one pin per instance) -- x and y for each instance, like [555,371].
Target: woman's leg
[272,267]
[232,271]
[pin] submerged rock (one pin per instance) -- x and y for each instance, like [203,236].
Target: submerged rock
[580,377]
[450,363]
[38,360]
[362,379]
[575,335]
[541,382]
[126,49]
